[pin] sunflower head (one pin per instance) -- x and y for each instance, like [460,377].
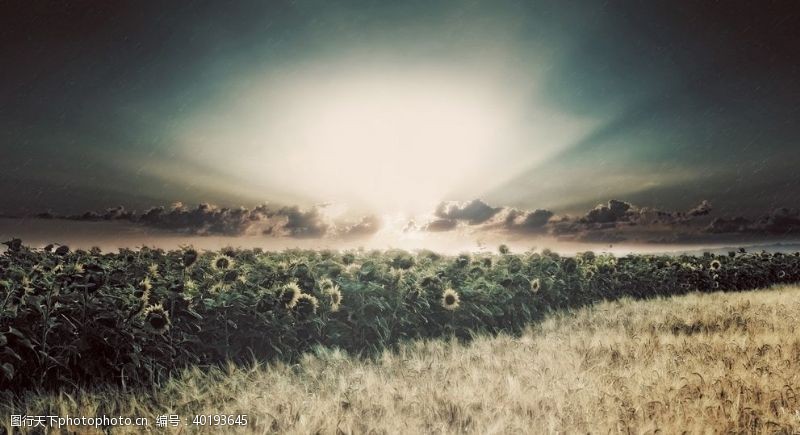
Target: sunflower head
[569,265]
[782,274]
[715,265]
[335,296]
[143,295]
[222,263]
[152,270]
[306,305]
[189,257]
[14,245]
[156,319]
[219,287]
[536,285]
[25,283]
[450,299]
[77,268]
[190,286]
[230,276]
[146,285]
[326,284]
[289,294]
[62,250]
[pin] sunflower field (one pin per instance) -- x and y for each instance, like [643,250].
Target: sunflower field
[70,319]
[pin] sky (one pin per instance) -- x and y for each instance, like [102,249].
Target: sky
[352,117]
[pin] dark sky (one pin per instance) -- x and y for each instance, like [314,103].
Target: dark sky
[659,103]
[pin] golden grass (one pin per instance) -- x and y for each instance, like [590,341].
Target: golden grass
[723,362]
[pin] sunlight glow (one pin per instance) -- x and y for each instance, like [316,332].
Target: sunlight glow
[390,143]
[376,138]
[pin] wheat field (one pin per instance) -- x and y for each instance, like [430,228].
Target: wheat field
[700,363]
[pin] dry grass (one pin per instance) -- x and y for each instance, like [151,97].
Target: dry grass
[698,363]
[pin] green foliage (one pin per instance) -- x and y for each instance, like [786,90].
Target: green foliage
[73,318]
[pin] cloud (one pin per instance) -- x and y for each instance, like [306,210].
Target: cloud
[481,216]
[441,225]
[473,213]
[294,222]
[522,221]
[703,209]
[114,213]
[620,212]
[610,222]
[207,219]
[620,220]
[367,226]
[782,221]
[615,211]
[737,224]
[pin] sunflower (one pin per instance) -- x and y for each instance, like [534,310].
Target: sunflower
[414,293]
[143,292]
[14,245]
[25,283]
[152,270]
[536,284]
[397,274]
[289,294]
[326,284]
[716,265]
[222,262]
[191,289]
[306,304]
[219,287]
[156,319]
[230,276]
[782,274]
[335,297]
[450,299]
[189,257]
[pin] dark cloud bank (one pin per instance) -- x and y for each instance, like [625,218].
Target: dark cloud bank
[614,221]
[207,219]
